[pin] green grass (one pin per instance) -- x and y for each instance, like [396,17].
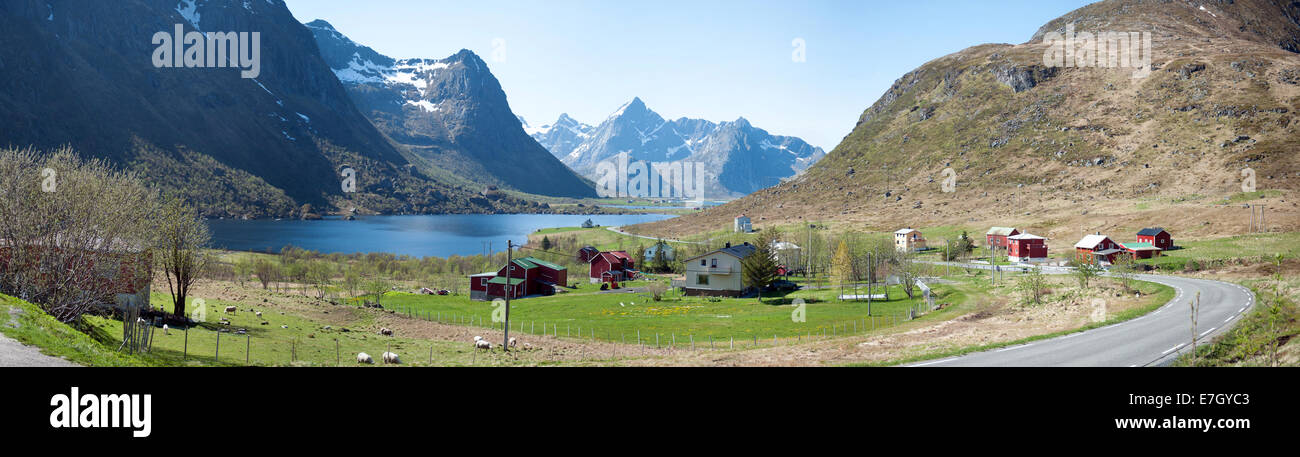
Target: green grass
[1261,246]
[30,325]
[1275,318]
[1242,197]
[1158,295]
[618,317]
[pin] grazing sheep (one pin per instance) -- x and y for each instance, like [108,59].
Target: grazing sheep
[284,326]
[385,331]
[231,309]
[259,314]
[478,338]
[391,358]
[514,342]
[365,358]
[482,344]
[166,330]
[528,347]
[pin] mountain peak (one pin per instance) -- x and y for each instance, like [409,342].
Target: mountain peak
[634,107]
[320,24]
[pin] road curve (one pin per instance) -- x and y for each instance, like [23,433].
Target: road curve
[1154,339]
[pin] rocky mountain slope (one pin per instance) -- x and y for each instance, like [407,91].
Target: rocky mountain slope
[450,113]
[739,157]
[1069,150]
[81,73]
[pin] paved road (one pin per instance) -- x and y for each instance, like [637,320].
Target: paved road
[15,354]
[1154,339]
[615,229]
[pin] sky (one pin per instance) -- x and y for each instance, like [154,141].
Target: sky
[711,59]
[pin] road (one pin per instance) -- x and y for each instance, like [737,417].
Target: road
[15,354]
[616,228]
[1154,339]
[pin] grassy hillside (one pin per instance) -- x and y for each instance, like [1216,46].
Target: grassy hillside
[1069,150]
[30,325]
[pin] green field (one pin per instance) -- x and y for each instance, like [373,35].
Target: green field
[619,317]
[1254,247]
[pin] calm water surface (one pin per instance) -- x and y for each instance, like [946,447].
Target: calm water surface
[435,235]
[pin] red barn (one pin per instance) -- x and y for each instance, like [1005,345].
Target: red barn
[587,253]
[1141,250]
[1157,236]
[1096,249]
[612,266]
[522,277]
[1027,248]
[997,236]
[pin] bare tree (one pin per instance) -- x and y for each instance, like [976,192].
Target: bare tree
[74,233]
[182,238]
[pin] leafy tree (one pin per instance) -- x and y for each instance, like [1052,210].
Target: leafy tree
[1032,283]
[546,243]
[182,237]
[1084,272]
[267,272]
[1125,271]
[842,263]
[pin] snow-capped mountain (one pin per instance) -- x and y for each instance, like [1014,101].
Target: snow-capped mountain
[561,137]
[450,113]
[738,157]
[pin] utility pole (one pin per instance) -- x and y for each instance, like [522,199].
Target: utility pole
[1252,219]
[505,338]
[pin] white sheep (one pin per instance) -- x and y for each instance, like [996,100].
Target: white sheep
[259,314]
[482,344]
[166,330]
[514,342]
[364,358]
[528,347]
[385,331]
[478,338]
[391,358]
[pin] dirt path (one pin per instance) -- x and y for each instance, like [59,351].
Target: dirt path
[15,354]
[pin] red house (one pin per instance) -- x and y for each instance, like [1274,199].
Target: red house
[521,278]
[610,266]
[1096,249]
[1027,248]
[1157,236]
[587,253]
[997,236]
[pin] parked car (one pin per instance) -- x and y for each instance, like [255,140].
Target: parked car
[782,286]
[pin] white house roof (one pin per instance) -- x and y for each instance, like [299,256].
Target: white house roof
[905,231]
[1090,241]
[1003,231]
[1025,236]
[784,245]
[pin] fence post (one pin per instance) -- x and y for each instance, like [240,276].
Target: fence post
[248,348]
[185,355]
[338,356]
[217,355]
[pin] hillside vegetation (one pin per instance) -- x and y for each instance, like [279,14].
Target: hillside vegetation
[1068,151]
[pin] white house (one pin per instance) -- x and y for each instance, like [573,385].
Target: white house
[909,240]
[743,225]
[787,253]
[717,273]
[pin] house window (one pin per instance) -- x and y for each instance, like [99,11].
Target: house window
[482,282]
[704,262]
[715,263]
[702,280]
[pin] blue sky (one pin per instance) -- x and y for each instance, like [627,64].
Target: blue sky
[711,59]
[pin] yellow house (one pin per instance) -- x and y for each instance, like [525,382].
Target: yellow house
[909,240]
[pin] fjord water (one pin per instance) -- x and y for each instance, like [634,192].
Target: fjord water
[432,235]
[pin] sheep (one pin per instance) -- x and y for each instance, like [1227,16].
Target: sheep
[528,347]
[385,331]
[391,358]
[364,358]
[231,309]
[259,314]
[514,342]
[478,338]
[166,330]
[482,344]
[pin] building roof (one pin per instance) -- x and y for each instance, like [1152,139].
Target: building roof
[784,245]
[525,263]
[1150,231]
[1140,247]
[1025,236]
[543,263]
[1107,252]
[480,275]
[739,252]
[1001,231]
[1090,241]
[906,231]
[620,254]
[502,280]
